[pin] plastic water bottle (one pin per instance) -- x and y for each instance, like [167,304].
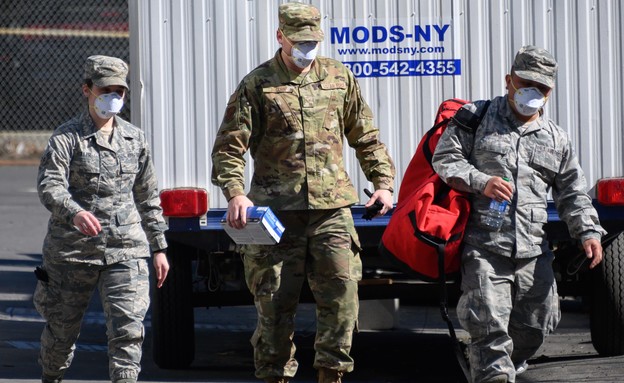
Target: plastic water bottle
[496,213]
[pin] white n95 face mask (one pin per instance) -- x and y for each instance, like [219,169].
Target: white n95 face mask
[528,101]
[304,53]
[107,105]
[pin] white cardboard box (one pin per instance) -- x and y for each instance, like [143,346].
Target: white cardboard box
[263,227]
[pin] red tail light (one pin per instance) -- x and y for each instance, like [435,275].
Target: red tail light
[610,191]
[184,202]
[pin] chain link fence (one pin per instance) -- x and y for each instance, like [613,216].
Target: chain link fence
[43,46]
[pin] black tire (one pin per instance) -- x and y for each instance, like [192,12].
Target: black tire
[607,309]
[173,322]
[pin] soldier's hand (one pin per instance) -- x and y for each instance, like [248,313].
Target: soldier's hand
[161,265]
[593,251]
[237,211]
[498,189]
[86,223]
[385,197]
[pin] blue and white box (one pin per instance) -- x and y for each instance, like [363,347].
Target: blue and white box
[263,227]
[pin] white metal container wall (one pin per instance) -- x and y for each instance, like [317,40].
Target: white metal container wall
[189,55]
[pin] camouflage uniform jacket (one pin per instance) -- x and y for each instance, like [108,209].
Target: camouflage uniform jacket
[116,182]
[294,126]
[537,158]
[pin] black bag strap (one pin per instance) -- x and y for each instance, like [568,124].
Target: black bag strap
[440,245]
[464,118]
[458,347]
[468,120]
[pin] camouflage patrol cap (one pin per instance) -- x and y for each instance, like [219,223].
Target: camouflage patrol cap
[535,64]
[106,71]
[300,22]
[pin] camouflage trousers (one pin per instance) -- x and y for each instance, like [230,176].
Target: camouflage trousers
[323,247]
[508,306]
[63,301]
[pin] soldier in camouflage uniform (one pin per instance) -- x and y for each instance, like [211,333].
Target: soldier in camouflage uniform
[293,113]
[97,179]
[509,299]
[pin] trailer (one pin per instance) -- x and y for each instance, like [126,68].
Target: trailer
[409,55]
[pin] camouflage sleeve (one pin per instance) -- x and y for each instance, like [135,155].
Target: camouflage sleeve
[363,136]
[231,144]
[147,201]
[573,203]
[451,161]
[53,176]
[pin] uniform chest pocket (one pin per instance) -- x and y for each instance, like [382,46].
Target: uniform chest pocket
[86,163]
[128,158]
[85,172]
[492,148]
[332,99]
[546,158]
[130,166]
[492,152]
[493,145]
[281,105]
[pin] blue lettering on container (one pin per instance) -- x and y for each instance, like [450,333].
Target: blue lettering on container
[360,34]
[379,34]
[397,33]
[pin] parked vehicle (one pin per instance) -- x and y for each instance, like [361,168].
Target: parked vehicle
[409,56]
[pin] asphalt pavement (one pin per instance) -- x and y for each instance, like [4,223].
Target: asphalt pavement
[416,349]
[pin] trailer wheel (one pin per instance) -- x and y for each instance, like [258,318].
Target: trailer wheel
[607,309]
[173,323]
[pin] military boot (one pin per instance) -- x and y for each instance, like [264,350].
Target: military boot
[50,379]
[327,375]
